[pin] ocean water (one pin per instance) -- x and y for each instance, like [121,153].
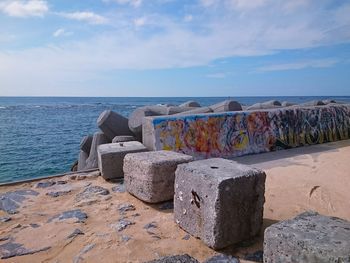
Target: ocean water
[40,136]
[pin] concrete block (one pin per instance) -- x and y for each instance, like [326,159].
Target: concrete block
[98,139]
[176,109]
[85,144]
[309,237]
[287,104]
[227,105]
[190,103]
[111,157]
[83,156]
[265,105]
[113,124]
[196,111]
[126,138]
[150,176]
[312,103]
[219,201]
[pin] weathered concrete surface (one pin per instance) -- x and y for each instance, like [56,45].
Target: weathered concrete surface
[175,259]
[308,238]
[124,139]
[150,176]
[113,124]
[291,176]
[98,139]
[11,201]
[219,201]
[265,105]
[238,133]
[227,105]
[83,156]
[111,157]
[85,144]
[190,103]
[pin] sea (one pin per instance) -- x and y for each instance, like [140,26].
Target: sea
[40,136]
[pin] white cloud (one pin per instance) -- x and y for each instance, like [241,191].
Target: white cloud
[188,18]
[247,4]
[24,8]
[61,32]
[88,17]
[317,63]
[140,21]
[134,3]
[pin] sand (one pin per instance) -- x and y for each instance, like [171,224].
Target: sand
[308,178]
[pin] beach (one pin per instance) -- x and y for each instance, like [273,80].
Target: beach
[117,227]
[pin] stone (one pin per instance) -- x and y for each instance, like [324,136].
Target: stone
[113,124]
[265,105]
[175,259]
[75,233]
[120,188]
[150,225]
[219,201]
[123,208]
[11,201]
[98,139]
[125,238]
[45,184]
[222,258]
[10,249]
[186,237]
[91,192]
[124,138]
[312,103]
[79,258]
[122,224]
[4,219]
[111,157]
[257,256]
[309,237]
[77,214]
[150,176]
[227,105]
[34,225]
[287,104]
[85,144]
[58,193]
[82,158]
[190,103]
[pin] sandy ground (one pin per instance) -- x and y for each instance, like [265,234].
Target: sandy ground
[309,178]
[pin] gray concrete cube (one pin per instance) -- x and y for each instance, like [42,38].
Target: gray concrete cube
[83,156]
[85,144]
[111,157]
[226,105]
[219,201]
[98,139]
[308,238]
[150,176]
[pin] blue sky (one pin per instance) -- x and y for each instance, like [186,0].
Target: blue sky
[174,47]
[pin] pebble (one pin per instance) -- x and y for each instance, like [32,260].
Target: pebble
[33,225]
[10,249]
[118,188]
[150,225]
[122,224]
[186,237]
[222,258]
[10,201]
[123,208]
[91,192]
[4,219]
[45,184]
[58,193]
[176,259]
[78,258]
[77,213]
[257,256]
[75,233]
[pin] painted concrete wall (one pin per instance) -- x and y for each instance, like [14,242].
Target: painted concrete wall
[233,134]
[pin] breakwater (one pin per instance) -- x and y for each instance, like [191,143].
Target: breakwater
[232,134]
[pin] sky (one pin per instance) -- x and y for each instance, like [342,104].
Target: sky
[174,48]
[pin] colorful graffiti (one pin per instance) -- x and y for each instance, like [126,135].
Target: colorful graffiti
[233,134]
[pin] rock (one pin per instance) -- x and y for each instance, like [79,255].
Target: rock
[124,138]
[125,238]
[34,225]
[79,258]
[150,225]
[5,219]
[220,201]
[175,259]
[309,237]
[4,238]
[58,193]
[123,208]
[11,201]
[122,224]
[10,249]
[227,105]
[167,205]
[119,188]
[82,158]
[74,166]
[150,176]
[111,157]
[190,103]
[75,233]
[257,256]
[85,144]
[222,258]
[113,124]
[77,213]
[98,139]
[91,192]
[45,184]
[287,104]
[186,237]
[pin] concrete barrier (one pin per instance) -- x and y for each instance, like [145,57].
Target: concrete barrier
[309,237]
[219,201]
[227,105]
[98,139]
[113,124]
[233,134]
[265,105]
[190,103]
[85,144]
[83,156]
[123,139]
[150,176]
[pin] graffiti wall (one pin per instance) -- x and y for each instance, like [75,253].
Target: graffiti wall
[233,134]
